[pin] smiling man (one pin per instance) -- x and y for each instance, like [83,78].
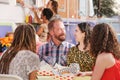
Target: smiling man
[56,49]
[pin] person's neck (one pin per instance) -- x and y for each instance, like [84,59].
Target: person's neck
[46,21]
[56,42]
[54,13]
[81,46]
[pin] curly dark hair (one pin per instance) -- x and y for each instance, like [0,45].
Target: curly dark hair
[48,13]
[104,39]
[85,27]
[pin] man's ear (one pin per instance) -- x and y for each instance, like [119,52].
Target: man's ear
[51,33]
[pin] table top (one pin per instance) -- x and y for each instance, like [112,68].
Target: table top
[63,78]
[49,75]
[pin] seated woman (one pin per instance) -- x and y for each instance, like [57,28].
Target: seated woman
[80,53]
[105,47]
[20,58]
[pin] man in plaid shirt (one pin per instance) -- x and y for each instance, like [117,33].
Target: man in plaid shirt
[55,51]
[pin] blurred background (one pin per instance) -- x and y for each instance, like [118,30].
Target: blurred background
[71,11]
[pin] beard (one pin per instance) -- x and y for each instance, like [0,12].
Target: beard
[60,37]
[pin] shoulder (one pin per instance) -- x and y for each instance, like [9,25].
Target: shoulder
[105,56]
[26,54]
[65,43]
[57,16]
[106,59]
[45,44]
[43,25]
[73,48]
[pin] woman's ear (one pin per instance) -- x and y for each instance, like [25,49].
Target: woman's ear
[83,35]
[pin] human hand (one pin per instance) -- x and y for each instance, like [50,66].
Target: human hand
[81,74]
[21,2]
[41,8]
[33,9]
[33,75]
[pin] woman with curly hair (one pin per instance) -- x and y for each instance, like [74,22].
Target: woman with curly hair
[105,47]
[80,53]
[20,58]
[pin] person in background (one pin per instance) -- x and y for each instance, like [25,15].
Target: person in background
[43,29]
[55,51]
[20,58]
[5,42]
[9,34]
[37,15]
[80,53]
[105,47]
[42,32]
[21,2]
[53,5]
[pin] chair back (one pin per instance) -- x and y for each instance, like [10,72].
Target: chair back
[9,77]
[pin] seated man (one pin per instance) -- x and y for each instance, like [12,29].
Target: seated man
[55,51]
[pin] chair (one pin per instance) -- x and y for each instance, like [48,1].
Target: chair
[9,77]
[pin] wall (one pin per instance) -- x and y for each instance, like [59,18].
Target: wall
[68,8]
[9,13]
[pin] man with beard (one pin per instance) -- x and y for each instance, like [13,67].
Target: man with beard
[55,51]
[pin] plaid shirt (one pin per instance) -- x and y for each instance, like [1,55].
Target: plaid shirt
[52,54]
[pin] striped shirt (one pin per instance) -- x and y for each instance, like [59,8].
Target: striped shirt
[53,54]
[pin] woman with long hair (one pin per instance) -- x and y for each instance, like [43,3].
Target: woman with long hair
[20,58]
[105,47]
[53,5]
[80,53]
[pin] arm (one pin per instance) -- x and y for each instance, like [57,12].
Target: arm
[36,17]
[20,2]
[33,75]
[40,52]
[69,57]
[33,64]
[89,73]
[99,68]
[39,32]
